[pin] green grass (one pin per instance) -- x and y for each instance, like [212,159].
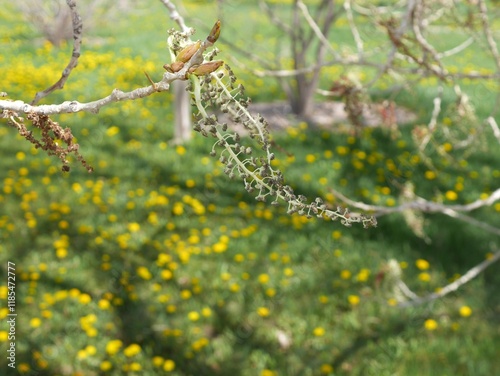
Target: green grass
[157,250]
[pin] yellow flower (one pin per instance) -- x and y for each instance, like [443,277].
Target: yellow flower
[144,273]
[424,277]
[166,274]
[4,336]
[113,130]
[206,312]
[104,304]
[323,299]
[392,302]
[134,366]
[169,365]
[193,316]
[385,191]
[113,346]
[181,150]
[363,275]
[336,234]
[91,332]
[239,257]
[61,253]
[185,294]
[81,354]
[451,195]
[310,158]
[131,350]
[465,311]
[219,247]
[326,369]
[422,264]
[390,202]
[263,311]
[106,365]
[84,298]
[133,227]
[157,361]
[430,175]
[263,278]
[353,300]
[342,150]
[447,147]
[35,322]
[430,324]
[319,331]
[345,274]
[267,372]
[24,368]
[90,350]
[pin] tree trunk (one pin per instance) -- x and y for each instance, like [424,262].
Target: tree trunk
[182,112]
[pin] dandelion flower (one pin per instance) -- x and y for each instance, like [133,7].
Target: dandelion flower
[430,324]
[465,311]
[319,331]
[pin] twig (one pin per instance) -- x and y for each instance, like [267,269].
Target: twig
[276,20]
[93,107]
[175,16]
[421,204]
[433,122]
[483,11]
[472,273]
[426,206]
[457,49]
[494,126]
[314,26]
[424,44]
[354,29]
[77,41]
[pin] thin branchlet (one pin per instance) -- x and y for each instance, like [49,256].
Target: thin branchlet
[251,158]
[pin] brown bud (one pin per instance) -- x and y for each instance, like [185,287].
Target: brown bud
[176,66]
[206,68]
[187,52]
[214,34]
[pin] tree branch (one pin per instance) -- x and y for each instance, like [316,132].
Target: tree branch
[175,16]
[94,106]
[471,274]
[426,206]
[77,41]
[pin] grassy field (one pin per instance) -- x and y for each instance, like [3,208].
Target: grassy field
[156,263]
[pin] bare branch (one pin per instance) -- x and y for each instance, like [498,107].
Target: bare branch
[493,124]
[457,49]
[175,16]
[433,121]
[275,19]
[426,206]
[483,11]
[314,26]
[93,107]
[77,41]
[471,274]
[421,204]
[354,29]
